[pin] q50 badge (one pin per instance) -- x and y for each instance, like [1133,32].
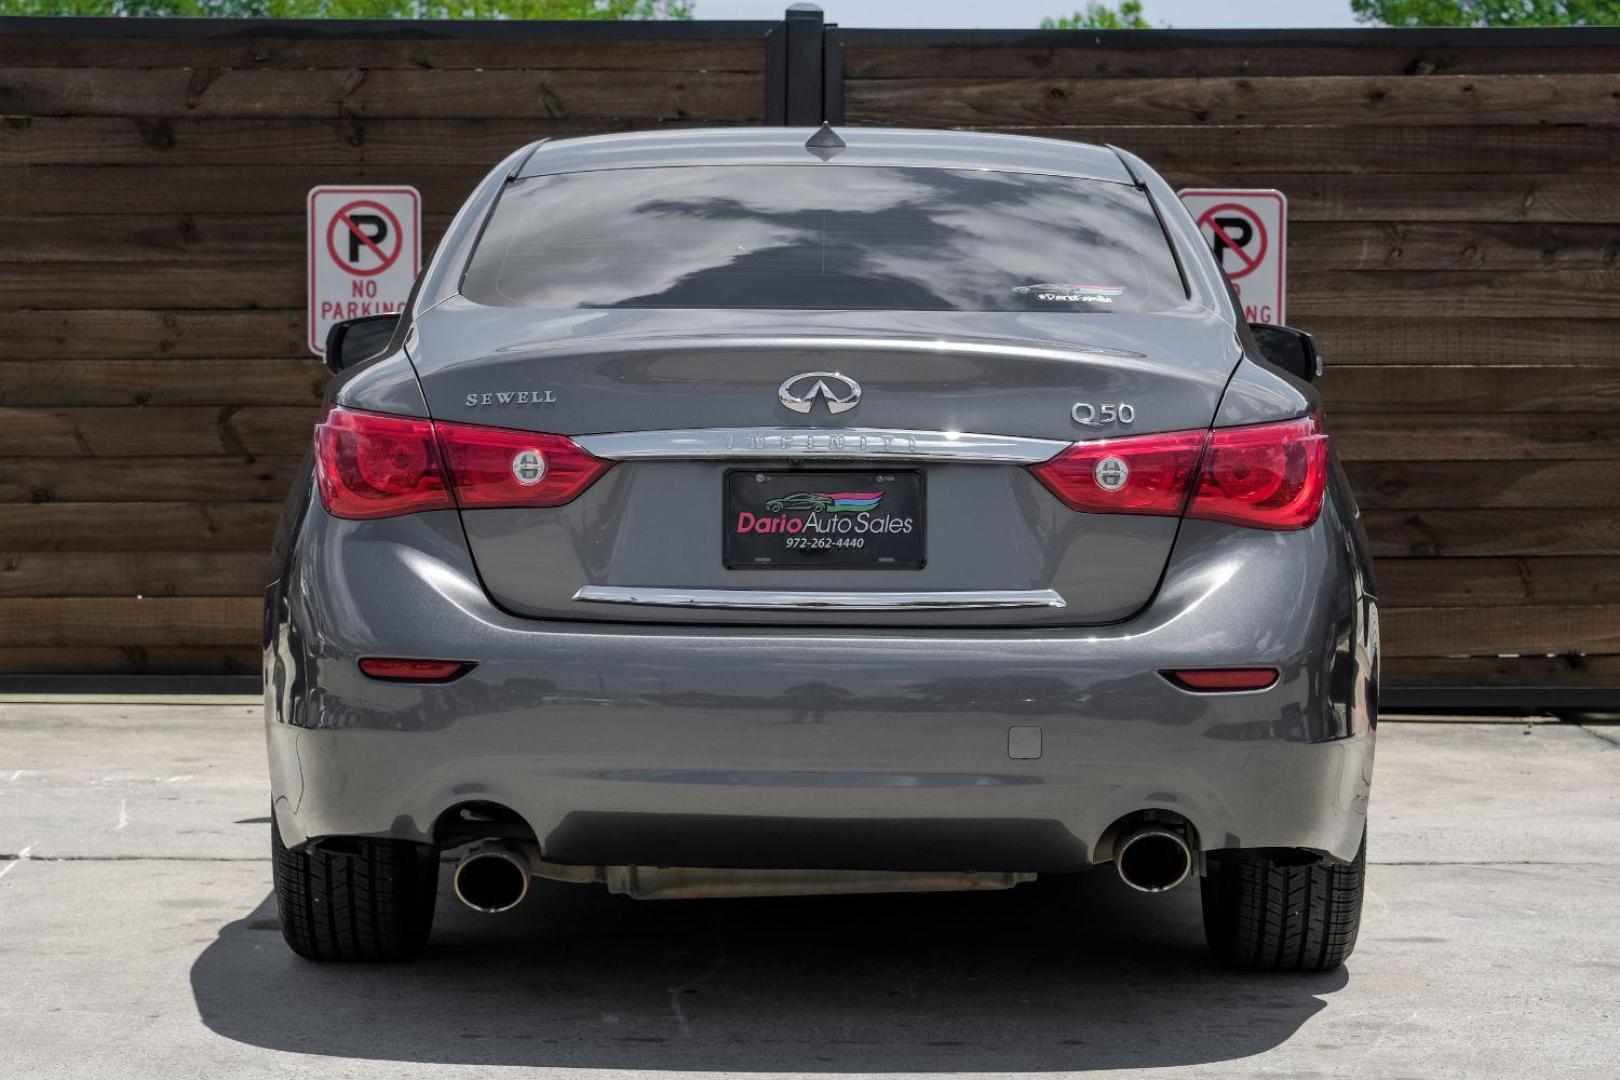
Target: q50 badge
[1089,415]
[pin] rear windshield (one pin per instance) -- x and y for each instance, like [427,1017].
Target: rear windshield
[826,238]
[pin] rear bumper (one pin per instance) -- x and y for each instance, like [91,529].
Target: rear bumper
[755,747]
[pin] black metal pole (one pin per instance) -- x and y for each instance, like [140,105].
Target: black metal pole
[803,66]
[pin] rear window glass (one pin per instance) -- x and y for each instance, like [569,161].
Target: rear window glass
[827,238]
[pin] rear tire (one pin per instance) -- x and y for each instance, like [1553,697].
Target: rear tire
[355,899]
[1270,913]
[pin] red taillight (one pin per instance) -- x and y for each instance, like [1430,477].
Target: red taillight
[1266,476]
[1144,474]
[399,669]
[1209,680]
[1269,476]
[494,467]
[369,465]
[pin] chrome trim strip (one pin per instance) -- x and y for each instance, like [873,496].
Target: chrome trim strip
[820,443]
[819,342]
[773,599]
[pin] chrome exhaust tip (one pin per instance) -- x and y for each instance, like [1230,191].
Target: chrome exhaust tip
[492,878]
[1152,858]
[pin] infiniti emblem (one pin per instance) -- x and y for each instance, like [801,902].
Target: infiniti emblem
[840,392]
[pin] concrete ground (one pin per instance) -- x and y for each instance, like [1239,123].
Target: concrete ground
[138,939]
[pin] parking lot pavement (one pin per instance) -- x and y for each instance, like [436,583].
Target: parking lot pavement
[137,939]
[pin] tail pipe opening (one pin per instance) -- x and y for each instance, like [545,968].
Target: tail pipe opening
[1153,857]
[492,878]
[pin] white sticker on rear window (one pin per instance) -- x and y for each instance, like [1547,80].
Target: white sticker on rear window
[1072,294]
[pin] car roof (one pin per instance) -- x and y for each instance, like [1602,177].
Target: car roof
[939,149]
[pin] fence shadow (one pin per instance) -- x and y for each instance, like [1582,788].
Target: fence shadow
[1071,974]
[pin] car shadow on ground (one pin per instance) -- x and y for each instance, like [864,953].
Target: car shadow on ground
[1072,973]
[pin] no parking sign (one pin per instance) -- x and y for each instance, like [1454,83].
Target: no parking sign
[365,251]
[1247,229]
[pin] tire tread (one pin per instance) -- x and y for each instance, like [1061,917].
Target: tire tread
[1263,913]
[373,900]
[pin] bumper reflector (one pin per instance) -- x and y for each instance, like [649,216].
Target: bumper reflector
[1217,680]
[397,669]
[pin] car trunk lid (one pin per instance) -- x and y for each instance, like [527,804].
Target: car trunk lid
[952,408]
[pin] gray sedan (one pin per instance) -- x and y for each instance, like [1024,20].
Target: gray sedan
[762,512]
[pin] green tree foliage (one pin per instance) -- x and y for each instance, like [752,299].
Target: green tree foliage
[1488,12]
[362,9]
[1099,16]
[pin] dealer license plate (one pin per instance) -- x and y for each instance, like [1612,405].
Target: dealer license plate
[845,520]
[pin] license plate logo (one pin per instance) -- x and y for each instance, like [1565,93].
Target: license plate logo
[823,513]
[836,502]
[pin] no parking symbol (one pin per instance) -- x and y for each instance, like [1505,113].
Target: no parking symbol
[1247,230]
[364,254]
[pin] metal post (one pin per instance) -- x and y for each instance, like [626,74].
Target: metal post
[803,66]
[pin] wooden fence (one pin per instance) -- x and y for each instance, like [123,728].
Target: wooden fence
[1454,204]
[155,391]
[1455,245]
